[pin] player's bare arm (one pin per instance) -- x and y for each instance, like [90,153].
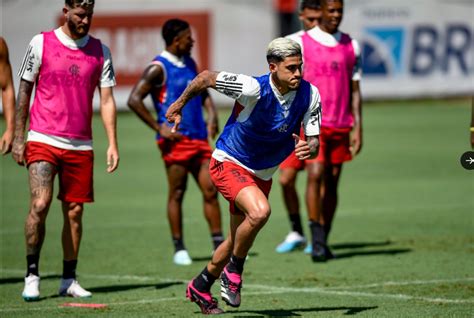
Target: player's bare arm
[8,98]
[212,121]
[108,112]
[21,115]
[306,149]
[356,136]
[151,77]
[313,144]
[201,82]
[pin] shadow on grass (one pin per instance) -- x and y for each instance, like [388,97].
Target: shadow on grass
[16,280]
[208,258]
[295,312]
[119,288]
[358,245]
[112,289]
[373,252]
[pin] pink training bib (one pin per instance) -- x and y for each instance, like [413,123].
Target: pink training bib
[330,70]
[65,88]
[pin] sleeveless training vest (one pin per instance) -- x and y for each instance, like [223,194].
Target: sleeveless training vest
[330,69]
[65,88]
[265,139]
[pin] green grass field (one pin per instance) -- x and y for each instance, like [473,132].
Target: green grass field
[403,234]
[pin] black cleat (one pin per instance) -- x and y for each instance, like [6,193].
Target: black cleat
[329,254]
[319,253]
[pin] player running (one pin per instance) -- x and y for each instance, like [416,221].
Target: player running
[261,132]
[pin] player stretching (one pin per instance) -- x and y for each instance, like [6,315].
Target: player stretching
[67,65]
[261,132]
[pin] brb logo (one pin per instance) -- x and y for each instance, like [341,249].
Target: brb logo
[382,50]
[422,50]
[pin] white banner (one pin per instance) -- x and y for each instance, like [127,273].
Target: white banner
[414,48]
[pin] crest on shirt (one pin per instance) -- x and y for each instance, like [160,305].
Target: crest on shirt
[283,128]
[74,69]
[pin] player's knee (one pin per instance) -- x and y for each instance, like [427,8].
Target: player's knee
[286,182]
[315,177]
[39,207]
[75,212]
[209,194]
[259,215]
[177,194]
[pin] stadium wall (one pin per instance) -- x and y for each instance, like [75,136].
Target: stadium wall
[409,48]
[230,35]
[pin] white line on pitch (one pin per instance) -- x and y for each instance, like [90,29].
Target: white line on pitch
[170,280]
[269,290]
[273,292]
[413,282]
[283,290]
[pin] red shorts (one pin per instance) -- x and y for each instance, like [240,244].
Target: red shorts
[184,151]
[334,144]
[74,167]
[230,178]
[292,162]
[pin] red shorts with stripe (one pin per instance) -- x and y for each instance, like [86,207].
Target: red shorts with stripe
[74,168]
[184,151]
[229,178]
[334,146]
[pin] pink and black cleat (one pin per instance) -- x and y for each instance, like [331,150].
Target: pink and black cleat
[231,283]
[204,300]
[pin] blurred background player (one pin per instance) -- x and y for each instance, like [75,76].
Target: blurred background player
[8,98]
[310,13]
[332,63]
[67,65]
[268,114]
[188,150]
[331,59]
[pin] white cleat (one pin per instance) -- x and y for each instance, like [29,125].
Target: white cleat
[182,258]
[293,241]
[31,291]
[70,287]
